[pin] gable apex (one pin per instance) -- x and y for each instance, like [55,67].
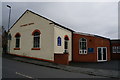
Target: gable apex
[52,22]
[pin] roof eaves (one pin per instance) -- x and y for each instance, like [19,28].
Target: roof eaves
[102,37]
[115,39]
[84,33]
[91,35]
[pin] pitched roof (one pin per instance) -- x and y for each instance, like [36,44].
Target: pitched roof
[44,18]
[90,35]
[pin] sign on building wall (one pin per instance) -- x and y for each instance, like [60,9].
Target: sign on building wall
[26,24]
[90,50]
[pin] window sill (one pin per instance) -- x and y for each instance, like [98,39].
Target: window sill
[16,48]
[35,49]
[82,53]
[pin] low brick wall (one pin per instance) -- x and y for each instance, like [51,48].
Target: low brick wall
[61,58]
[115,56]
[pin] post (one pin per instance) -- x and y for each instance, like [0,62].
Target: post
[8,28]
[9,17]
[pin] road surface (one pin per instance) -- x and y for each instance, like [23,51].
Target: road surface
[16,69]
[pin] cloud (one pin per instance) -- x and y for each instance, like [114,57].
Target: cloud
[0,14]
[60,0]
[91,17]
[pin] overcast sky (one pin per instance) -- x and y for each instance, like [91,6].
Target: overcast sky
[100,18]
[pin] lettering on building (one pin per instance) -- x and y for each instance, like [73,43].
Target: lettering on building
[26,24]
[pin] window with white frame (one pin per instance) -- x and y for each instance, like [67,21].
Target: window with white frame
[17,42]
[83,46]
[118,49]
[59,41]
[114,49]
[36,43]
[17,36]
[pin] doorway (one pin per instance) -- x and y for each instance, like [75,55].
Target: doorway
[102,54]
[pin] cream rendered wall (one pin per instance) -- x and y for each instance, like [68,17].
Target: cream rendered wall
[26,42]
[58,31]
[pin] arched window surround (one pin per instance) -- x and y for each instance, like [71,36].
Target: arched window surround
[36,31]
[17,34]
[82,46]
[66,37]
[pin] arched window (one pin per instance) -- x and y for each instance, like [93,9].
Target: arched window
[83,46]
[66,39]
[36,39]
[59,41]
[17,36]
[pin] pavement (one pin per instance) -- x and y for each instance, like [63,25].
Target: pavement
[106,65]
[110,73]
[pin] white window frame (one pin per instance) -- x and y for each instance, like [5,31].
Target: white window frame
[16,42]
[102,55]
[118,48]
[80,50]
[59,39]
[114,49]
[39,41]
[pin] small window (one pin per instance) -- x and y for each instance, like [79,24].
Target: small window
[118,49]
[59,41]
[83,46]
[114,49]
[17,44]
[66,39]
[36,40]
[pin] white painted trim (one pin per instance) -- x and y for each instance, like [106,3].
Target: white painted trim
[102,56]
[40,41]
[79,46]
[114,48]
[118,47]
[33,42]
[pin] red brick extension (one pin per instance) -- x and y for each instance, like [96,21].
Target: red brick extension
[92,42]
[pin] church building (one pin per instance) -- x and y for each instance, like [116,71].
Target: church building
[34,36]
[37,37]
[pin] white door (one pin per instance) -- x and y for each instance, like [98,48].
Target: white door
[102,54]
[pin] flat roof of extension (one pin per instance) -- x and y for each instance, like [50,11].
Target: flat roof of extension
[115,41]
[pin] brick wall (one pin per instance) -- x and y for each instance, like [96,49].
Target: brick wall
[115,56]
[61,58]
[92,42]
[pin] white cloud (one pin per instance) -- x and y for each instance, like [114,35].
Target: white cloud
[92,17]
[0,14]
[59,0]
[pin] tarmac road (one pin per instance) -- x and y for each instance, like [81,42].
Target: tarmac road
[16,69]
[108,65]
